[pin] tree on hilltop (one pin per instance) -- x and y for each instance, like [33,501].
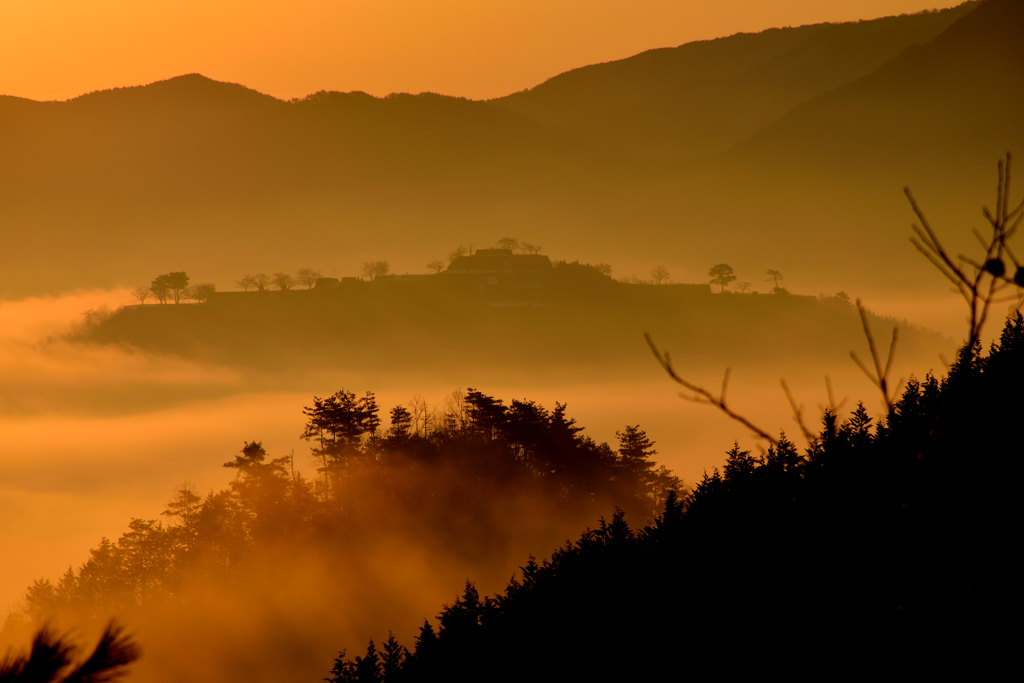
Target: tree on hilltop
[246,282]
[142,293]
[284,281]
[721,275]
[659,274]
[774,276]
[200,293]
[308,277]
[436,266]
[374,269]
[169,284]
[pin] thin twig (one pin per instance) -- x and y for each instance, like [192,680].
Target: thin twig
[705,397]
[798,415]
[990,276]
[880,376]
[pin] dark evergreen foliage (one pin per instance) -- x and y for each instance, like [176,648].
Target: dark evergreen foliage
[439,485]
[51,655]
[882,550]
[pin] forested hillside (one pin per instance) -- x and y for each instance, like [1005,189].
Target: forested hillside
[880,546]
[410,507]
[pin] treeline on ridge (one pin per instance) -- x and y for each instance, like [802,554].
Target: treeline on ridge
[881,546]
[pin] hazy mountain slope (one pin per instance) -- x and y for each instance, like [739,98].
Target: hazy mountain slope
[961,93]
[212,178]
[194,172]
[936,118]
[700,98]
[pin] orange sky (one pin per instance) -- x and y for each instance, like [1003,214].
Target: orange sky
[56,49]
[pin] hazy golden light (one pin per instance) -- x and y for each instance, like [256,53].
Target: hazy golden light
[100,196]
[57,49]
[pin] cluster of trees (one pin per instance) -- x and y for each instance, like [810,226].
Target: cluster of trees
[282,280]
[521,441]
[511,243]
[881,545]
[174,287]
[371,270]
[438,469]
[600,268]
[722,275]
[307,277]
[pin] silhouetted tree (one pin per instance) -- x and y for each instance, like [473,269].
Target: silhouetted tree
[343,671]
[401,422]
[142,293]
[184,508]
[369,414]
[659,274]
[51,655]
[261,280]
[246,281]
[337,423]
[436,266]
[161,290]
[260,485]
[426,648]
[169,284]
[721,275]
[635,452]
[284,281]
[393,658]
[374,269]
[308,277]
[508,243]
[200,293]
[486,413]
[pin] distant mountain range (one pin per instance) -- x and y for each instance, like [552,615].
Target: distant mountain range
[785,149]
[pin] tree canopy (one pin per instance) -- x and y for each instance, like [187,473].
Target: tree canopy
[169,285]
[721,274]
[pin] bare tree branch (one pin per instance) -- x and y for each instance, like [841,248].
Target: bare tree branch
[705,397]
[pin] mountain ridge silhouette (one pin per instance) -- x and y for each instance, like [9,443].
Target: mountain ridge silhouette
[218,179]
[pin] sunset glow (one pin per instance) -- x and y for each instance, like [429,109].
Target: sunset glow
[404,341]
[58,49]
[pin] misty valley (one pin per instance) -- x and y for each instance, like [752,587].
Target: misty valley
[282,400]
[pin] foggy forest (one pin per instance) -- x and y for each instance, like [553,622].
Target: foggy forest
[692,361]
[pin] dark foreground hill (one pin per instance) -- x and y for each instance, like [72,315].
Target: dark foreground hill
[824,123]
[882,547]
